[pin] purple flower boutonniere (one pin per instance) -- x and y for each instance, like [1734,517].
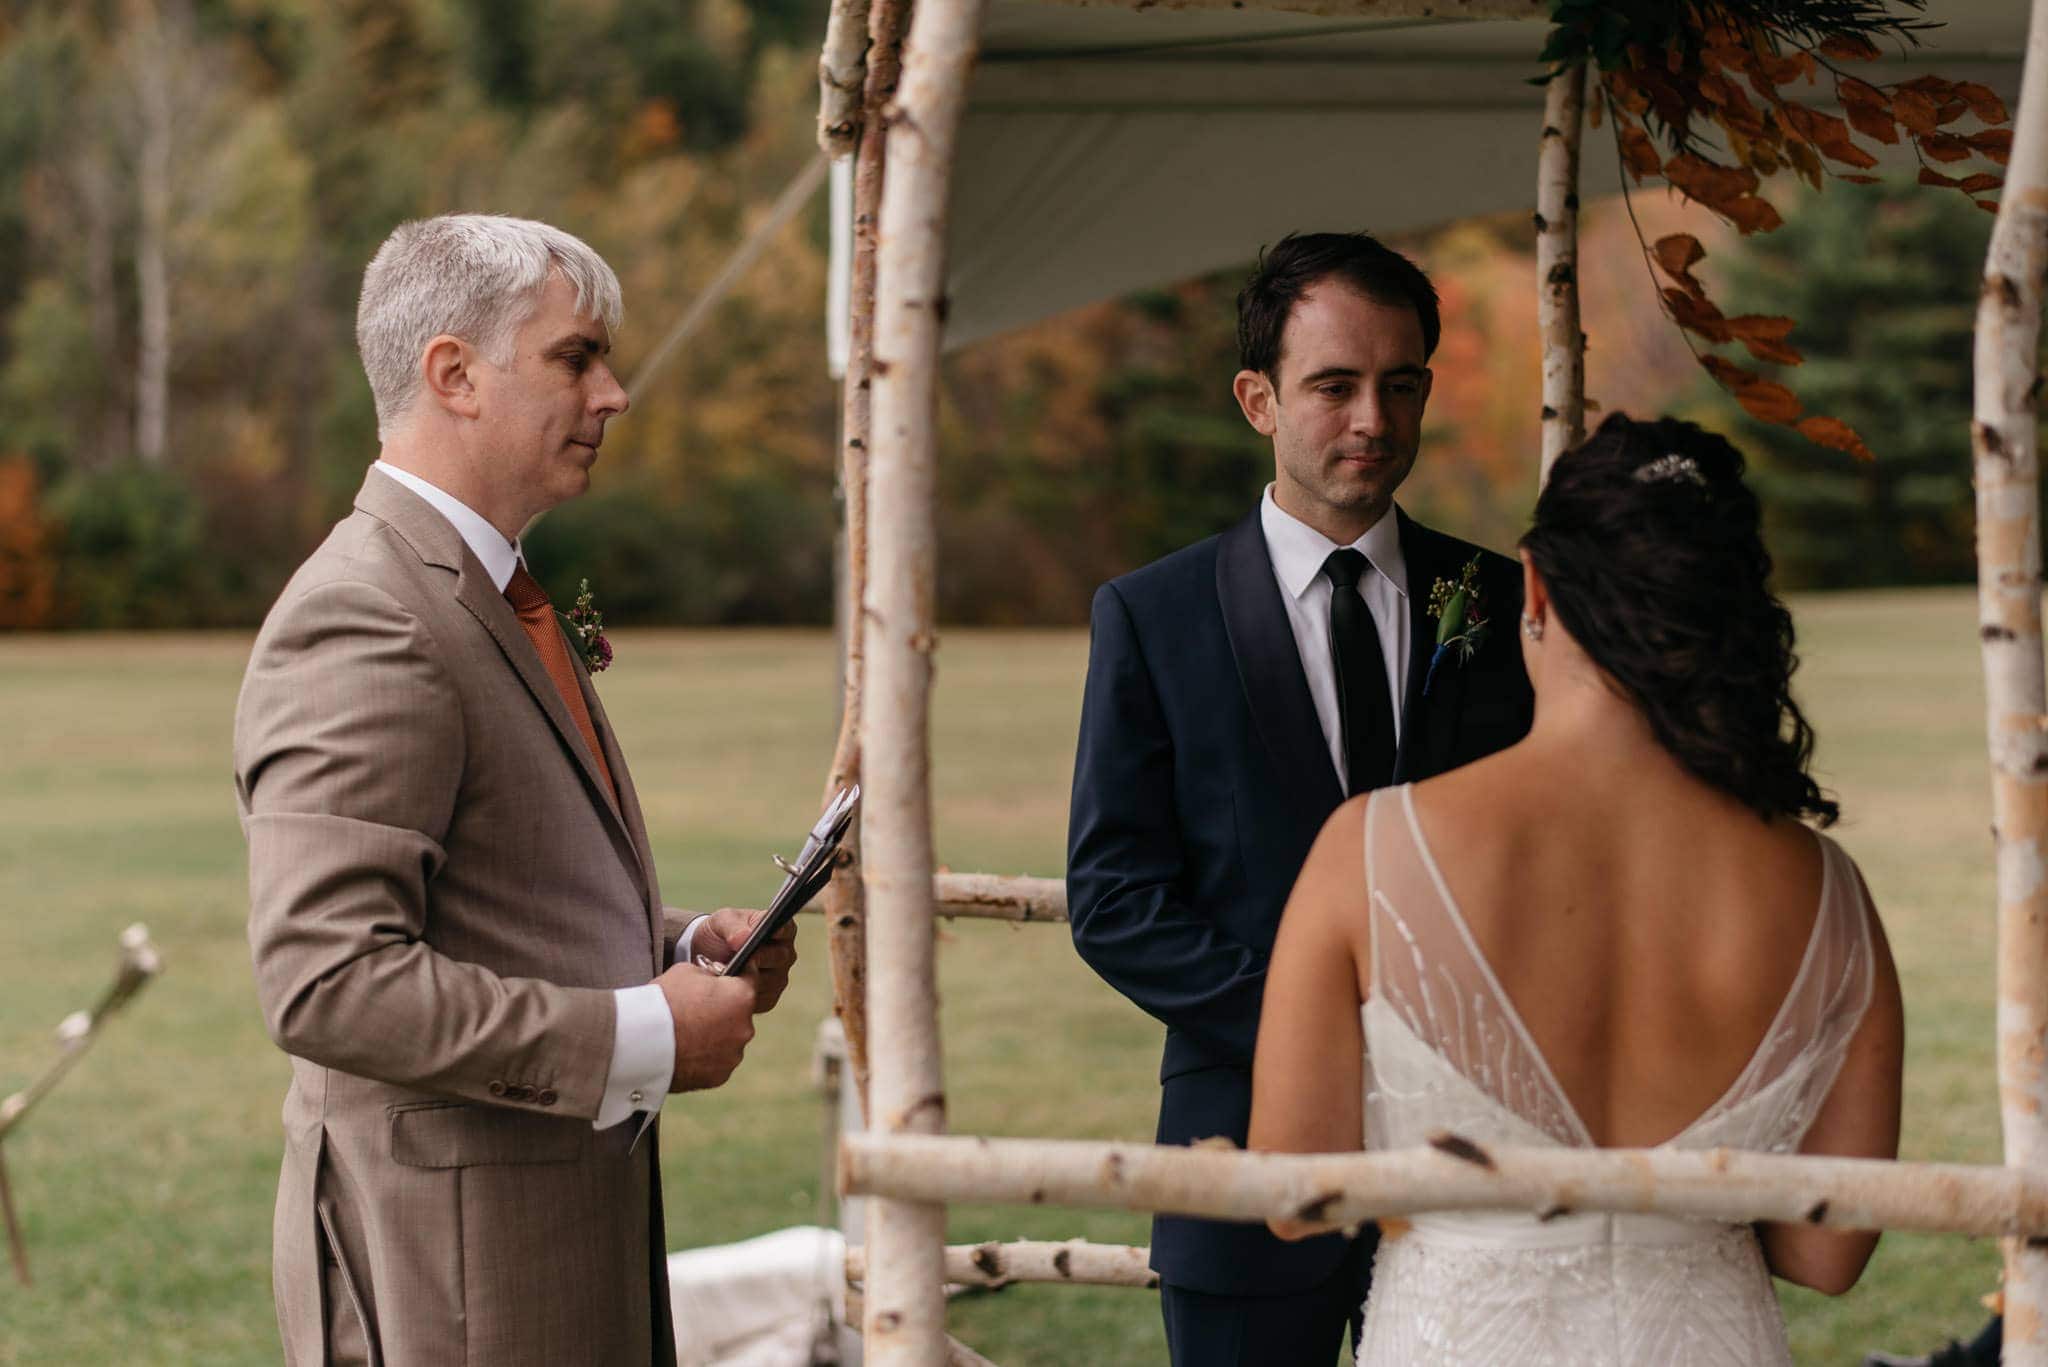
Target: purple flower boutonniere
[588,625]
[1461,619]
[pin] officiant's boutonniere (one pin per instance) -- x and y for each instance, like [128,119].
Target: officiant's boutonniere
[1460,616]
[588,624]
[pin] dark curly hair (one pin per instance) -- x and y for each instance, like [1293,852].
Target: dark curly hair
[1650,545]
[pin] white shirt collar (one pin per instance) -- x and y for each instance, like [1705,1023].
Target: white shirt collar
[498,556]
[1299,550]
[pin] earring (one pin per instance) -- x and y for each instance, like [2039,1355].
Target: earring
[1532,628]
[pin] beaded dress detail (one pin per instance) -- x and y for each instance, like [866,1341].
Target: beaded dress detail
[1446,1050]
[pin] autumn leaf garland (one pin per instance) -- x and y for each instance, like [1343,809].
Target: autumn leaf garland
[1669,71]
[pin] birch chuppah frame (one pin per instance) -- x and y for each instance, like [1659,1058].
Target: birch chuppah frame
[902,123]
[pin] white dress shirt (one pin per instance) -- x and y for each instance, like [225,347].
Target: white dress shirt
[1298,551]
[644,1039]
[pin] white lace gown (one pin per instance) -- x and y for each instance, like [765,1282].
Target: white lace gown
[1445,1050]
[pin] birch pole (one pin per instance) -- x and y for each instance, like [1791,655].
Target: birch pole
[138,964]
[146,58]
[844,905]
[904,1303]
[1557,265]
[842,78]
[2015,694]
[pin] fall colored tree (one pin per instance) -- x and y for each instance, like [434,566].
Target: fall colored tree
[28,573]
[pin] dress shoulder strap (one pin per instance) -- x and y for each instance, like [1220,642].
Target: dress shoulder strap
[1429,975]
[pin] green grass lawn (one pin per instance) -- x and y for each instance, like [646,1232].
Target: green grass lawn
[145,1181]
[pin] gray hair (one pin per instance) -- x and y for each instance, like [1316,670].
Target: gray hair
[473,276]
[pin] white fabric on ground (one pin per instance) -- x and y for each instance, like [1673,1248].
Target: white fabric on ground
[761,1302]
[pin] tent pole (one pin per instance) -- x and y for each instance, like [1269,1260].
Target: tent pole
[904,1302]
[1557,265]
[845,906]
[2016,697]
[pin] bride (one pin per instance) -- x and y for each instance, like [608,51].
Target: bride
[1619,932]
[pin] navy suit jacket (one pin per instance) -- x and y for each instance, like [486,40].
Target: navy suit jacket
[1201,779]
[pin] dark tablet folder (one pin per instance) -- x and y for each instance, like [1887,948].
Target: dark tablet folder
[806,876]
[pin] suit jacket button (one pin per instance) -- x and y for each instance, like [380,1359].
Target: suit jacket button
[519,1091]
[497,1087]
[547,1096]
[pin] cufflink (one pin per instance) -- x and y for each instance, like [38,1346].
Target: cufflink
[636,1097]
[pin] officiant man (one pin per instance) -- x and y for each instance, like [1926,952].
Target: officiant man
[1238,690]
[456,928]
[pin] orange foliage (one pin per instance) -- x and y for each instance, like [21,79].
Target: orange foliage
[1836,434]
[1675,87]
[28,570]
[1482,436]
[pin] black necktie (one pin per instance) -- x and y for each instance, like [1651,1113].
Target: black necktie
[1364,706]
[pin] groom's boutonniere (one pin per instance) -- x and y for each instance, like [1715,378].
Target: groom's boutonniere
[1461,619]
[588,624]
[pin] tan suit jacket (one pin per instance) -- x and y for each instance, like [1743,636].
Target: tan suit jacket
[443,895]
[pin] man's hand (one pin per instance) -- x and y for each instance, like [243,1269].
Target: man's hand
[768,970]
[714,1020]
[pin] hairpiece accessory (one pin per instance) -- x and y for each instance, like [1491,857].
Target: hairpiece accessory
[1672,466]
[1531,627]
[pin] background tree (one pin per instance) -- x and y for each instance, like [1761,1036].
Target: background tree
[1883,281]
[183,414]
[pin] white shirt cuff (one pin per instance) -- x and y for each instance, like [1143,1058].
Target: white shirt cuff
[685,941]
[643,1055]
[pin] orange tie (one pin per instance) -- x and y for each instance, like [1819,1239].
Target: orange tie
[537,618]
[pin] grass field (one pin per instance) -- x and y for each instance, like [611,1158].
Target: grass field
[145,1182]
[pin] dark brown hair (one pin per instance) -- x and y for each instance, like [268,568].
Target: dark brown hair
[1650,545]
[1288,269]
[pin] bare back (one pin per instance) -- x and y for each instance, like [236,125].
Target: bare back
[1643,947]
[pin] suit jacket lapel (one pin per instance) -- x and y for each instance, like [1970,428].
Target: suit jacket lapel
[1269,666]
[475,591]
[440,544]
[629,804]
[1429,715]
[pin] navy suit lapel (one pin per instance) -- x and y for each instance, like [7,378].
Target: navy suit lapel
[1269,666]
[1429,714]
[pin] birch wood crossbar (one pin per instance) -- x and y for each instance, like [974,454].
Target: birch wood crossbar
[996,897]
[1221,1183]
[1075,1262]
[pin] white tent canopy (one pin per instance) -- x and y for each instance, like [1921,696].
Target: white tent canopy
[1108,149]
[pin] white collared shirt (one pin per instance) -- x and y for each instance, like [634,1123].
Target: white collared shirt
[498,556]
[644,1040]
[1298,551]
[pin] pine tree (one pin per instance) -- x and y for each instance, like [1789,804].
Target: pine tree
[1883,281]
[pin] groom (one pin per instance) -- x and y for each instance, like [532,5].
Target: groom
[457,932]
[1238,690]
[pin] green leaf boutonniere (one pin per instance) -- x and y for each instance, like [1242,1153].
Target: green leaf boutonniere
[1461,619]
[588,625]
